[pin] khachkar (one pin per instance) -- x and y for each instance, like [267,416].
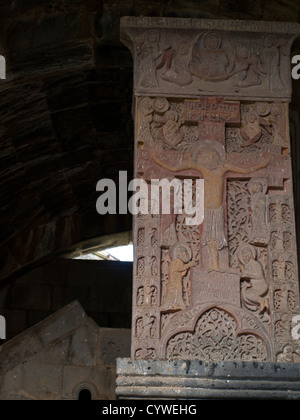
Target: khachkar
[211,102]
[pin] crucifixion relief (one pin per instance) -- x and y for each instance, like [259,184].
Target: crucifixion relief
[211,103]
[211,162]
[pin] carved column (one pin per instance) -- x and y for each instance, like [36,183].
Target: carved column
[211,102]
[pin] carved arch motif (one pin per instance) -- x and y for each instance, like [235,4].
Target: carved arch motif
[216,337]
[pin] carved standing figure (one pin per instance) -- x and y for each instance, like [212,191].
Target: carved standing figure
[209,158]
[144,122]
[271,53]
[149,53]
[173,296]
[281,267]
[260,232]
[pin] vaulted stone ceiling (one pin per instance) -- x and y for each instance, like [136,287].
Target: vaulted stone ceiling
[65,115]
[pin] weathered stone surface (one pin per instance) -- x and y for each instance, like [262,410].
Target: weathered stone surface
[185,379]
[60,356]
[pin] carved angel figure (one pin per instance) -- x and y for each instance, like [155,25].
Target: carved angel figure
[176,65]
[252,131]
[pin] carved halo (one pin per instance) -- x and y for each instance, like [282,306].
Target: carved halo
[243,247]
[161,105]
[152,35]
[262,108]
[277,109]
[172,115]
[217,42]
[209,144]
[255,181]
[174,248]
[146,104]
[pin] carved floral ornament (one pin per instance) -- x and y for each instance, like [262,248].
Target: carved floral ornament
[216,338]
[212,104]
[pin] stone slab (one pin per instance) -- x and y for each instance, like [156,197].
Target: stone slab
[167,55]
[212,287]
[216,24]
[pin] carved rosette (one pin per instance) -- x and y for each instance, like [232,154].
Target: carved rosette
[211,102]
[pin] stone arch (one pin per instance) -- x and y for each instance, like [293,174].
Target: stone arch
[85,387]
[218,332]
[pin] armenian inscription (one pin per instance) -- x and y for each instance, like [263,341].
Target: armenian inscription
[207,288]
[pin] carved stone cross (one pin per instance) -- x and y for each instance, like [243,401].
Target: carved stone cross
[212,114]
[211,102]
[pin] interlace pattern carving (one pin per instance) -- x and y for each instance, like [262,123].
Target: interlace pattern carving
[215,339]
[239,223]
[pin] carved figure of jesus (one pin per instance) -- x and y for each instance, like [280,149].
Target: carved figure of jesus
[213,164]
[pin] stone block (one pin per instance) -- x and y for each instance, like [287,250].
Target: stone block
[185,379]
[60,356]
[9,382]
[99,381]
[55,327]
[15,351]
[113,343]
[41,381]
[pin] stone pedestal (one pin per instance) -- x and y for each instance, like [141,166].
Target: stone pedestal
[185,379]
[211,103]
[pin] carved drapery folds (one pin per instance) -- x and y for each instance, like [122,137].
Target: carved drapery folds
[211,103]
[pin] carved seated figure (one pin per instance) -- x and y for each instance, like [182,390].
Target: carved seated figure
[255,286]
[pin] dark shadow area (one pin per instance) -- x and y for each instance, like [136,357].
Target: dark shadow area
[85,395]
[103,288]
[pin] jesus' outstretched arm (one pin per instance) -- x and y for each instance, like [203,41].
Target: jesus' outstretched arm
[230,167]
[180,167]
